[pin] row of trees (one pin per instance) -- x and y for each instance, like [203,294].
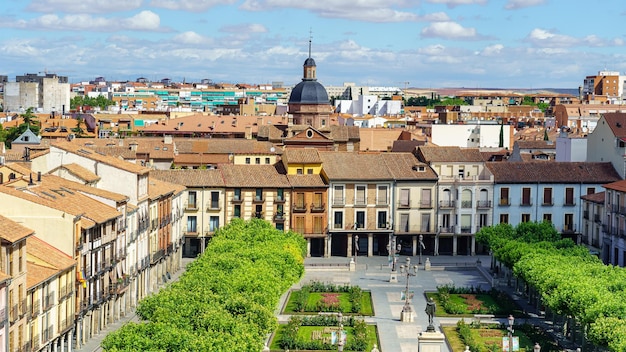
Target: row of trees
[100,101]
[570,281]
[226,299]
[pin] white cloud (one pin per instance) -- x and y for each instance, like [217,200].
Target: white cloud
[491,50]
[83,6]
[360,10]
[435,17]
[520,4]
[448,30]
[245,28]
[143,21]
[191,38]
[454,3]
[544,38]
[190,5]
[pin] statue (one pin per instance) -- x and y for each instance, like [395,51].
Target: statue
[430,310]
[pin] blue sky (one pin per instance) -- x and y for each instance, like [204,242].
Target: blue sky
[428,43]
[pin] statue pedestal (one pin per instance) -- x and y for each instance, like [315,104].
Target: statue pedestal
[427,265]
[407,316]
[428,341]
[352,264]
[394,277]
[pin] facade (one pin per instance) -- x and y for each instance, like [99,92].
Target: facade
[463,198]
[605,87]
[614,242]
[593,233]
[46,94]
[547,191]
[607,142]
[368,105]
[570,148]
[471,135]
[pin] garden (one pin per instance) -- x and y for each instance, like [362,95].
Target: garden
[468,301]
[321,297]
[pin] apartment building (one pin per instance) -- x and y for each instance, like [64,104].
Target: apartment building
[5,280]
[13,237]
[309,214]
[614,243]
[46,94]
[463,198]
[593,231]
[51,301]
[607,142]
[547,191]
[359,203]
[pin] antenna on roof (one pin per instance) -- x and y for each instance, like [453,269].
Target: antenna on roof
[310,40]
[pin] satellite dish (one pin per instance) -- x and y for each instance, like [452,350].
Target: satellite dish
[272,149]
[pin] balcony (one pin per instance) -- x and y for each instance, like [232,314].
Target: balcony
[48,301]
[404,204]
[505,202]
[279,199]
[299,208]
[279,217]
[571,203]
[339,201]
[526,203]
[170,248]
[35,342]
[596,218]
[258,199]
[382,202]
[483,204]
[157,256]
[360,203]
[121,254]
[318,208]
[586,214]
[569,229]
[446,204]
[191,207]
[425,204]
[3,316]
[466,204]
[446,229]
[466,229]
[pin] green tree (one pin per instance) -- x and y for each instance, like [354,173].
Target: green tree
[78,130]
[100,101]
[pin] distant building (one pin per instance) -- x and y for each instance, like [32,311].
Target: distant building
[46,94]
[368,105]
[605,87]
[471,136]
[570,148]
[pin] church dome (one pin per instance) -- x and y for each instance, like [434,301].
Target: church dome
[309,62]
[309,92]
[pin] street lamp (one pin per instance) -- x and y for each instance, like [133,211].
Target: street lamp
[537,348]
[421,245]
[356,247]
[511,331]
[407,311]
[340,333]
[393,248]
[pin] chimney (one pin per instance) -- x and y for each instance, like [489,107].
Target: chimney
[38,176]
[248,133]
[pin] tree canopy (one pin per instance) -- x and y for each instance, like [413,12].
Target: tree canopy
[226,299]
[99,101]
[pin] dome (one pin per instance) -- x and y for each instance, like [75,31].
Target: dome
[309,92]
[309,62]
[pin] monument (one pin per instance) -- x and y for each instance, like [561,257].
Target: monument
[430,340]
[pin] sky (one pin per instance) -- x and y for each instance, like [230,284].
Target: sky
[402,43]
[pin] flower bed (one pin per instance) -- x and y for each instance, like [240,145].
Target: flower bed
[463,301]
[319,297]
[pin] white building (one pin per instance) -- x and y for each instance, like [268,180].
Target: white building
[470,135]
[368,105]
[571,148]
[46,94]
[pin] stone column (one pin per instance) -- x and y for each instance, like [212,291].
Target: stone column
[349,248]
[329,244]
[69,340]
[454,245]
[308,247]
[473,245]
[370,244]
[414,238]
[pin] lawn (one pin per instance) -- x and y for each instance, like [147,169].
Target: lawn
[467,305]
[344,303]
[306,333]
[491,335]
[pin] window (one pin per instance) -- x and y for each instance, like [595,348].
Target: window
[215,200]
[11,265]
[526,196]
[591,190]
[191,200]
[381,195]
[404,198]
[525,217]
[318,203]
[318,224]
[280,210]
[445,223]
[237,211]
[299,171]
[504,218]
[237,194]
[504,198]
[360,220]
[299,203]
[298,224]
[309,171]
[247,160]
[482,220]
[258,211]
[257,160]
[280,226]
[569,196]
[425,202]
[568,222]
[404,223]
[280,194]
[360,195]
[19,263]
[192,223]
[466,223]
[461,172]
[214,223]
[466,199]
[338,220]
[267,160]
[547,217]
[425,226]
[338,195]
[381,220]
[547,196]
[258,195]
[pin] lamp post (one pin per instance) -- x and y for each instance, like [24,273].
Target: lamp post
[393,247]
[537,348]
[511,331]
[356,247]
[421,246]
[340,332]
[407,311]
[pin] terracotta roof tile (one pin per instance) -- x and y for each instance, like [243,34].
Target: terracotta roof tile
[158,188]
[39,250]
[12,231]
[190,177]
[406,146]
[117,197]
[617,123]
[200,159]
[301,156]
[306,181]
[539,144]
[253,176]
[354,166]
[617,186]
[405,166]
[109,160]
[80,172]
[378,139]
[594,197]
[449,154]
[552,172]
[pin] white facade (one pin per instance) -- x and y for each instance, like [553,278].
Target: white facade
[603,146]
[43,93]
[470,136]
[368,105]
[571,149]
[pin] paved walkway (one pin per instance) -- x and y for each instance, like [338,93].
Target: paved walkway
[93,344]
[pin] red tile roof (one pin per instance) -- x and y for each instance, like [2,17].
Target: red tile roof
[552,172]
